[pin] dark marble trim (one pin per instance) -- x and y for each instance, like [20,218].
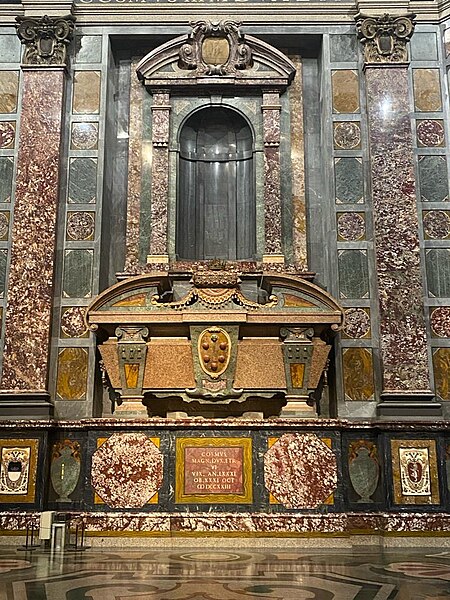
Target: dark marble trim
[218,424]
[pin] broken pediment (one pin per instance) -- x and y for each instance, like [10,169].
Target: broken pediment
[215,52]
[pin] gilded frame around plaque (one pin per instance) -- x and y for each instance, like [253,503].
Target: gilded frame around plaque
[399,496]
[214,498]
[33,445]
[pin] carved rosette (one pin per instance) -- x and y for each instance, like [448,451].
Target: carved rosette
[215,48]
[45,39]
[385,37]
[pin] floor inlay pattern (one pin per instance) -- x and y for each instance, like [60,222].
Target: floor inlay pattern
[204,574]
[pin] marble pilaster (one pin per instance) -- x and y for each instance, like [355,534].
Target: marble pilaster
[134,171]
[30,286]
[160,178]
[272,179]
[403,338]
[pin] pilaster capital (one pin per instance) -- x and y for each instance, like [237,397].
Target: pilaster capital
[45,39]
[384,37]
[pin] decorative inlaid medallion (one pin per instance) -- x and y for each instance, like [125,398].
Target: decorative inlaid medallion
[414,469]
[351,226]
[430,133]
[7,134]
[440,321]
[214,349]
[347,135]
[80,226]
[436,224]
[72,322]
[300,471]
[127,470]
[357,323]
[84,136]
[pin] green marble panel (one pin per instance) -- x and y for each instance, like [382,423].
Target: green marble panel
[3,259]
[348,176]
[353,274]
[424,46]
[82,180]
[438,272]
[343,48]
[88,49]
[6,178]
[9,48]
[77,280]
[433,178]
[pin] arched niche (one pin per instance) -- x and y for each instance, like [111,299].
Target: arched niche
[215,213]
[214,64]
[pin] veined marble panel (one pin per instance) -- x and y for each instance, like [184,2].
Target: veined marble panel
[86,93]
[403,338]
[345,91]
[9,87]
[30,292]
[427,90]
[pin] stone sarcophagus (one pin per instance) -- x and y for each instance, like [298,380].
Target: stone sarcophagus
[215,343]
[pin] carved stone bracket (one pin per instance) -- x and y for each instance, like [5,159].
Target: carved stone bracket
[385,37]
[215,48]
[45,39]
[132,353]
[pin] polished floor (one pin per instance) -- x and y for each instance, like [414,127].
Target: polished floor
[221,574]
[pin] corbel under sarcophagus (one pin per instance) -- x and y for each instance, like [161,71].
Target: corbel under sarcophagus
[215,343]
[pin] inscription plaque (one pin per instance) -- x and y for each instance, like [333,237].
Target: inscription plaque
[213,470]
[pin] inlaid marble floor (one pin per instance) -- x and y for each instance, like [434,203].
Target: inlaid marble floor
[206,574]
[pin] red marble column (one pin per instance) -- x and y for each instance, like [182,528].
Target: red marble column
[403,337]
[160,178]
[271,108]
[30,283]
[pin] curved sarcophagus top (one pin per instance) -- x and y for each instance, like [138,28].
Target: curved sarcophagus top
[215,342]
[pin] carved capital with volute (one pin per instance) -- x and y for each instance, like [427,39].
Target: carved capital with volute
[385,37]
[45,39]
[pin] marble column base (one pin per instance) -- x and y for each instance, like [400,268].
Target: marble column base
[297,407]
[130,409]
[404,405]
[25,405]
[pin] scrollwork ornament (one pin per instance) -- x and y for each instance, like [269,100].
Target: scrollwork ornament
[45,39]
[227,51]
[384,37]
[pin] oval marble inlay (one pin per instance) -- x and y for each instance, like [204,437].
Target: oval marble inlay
[351,226]
[430,132]
[357,323]
[347,135]
[72,322]
[84,136]
[436,224]
[80,226]
[440,321]
[7,134]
